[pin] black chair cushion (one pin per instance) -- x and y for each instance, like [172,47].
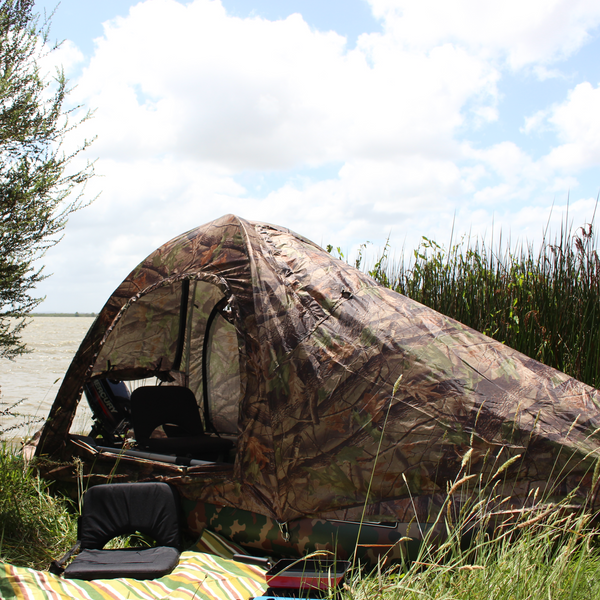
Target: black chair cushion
[148,563]
[205,447]
[115,509]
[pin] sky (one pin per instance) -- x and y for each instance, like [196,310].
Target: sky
[347,121]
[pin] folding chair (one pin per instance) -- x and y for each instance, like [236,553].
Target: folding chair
[117,509]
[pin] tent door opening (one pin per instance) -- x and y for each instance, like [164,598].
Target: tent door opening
[182,334]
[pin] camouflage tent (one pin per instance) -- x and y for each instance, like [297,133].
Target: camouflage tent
[342,396]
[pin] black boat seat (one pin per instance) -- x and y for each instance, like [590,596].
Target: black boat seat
[176,410]
[115,509]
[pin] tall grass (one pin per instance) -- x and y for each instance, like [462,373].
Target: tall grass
[549,558]
[480,549]
[35,525]
[544,303]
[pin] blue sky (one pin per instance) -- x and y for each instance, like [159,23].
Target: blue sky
[345,120]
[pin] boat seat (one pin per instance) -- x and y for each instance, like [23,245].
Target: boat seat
[115,509]
[176,410]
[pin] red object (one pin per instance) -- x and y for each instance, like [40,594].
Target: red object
[307,573]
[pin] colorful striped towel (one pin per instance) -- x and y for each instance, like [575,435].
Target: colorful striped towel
[204,573]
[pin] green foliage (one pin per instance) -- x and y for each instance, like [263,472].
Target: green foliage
[35,181]
[35,526]
[545,304]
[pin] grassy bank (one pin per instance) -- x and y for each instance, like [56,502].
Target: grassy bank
[545,553]
[553,558]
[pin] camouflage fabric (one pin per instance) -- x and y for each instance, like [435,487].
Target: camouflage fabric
[369,541]
[316,350]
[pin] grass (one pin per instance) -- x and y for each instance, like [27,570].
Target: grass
[552,559]
[478,551]
[35,525]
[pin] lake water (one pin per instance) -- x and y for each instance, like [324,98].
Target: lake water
[34,378]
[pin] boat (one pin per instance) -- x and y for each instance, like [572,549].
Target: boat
[330,412]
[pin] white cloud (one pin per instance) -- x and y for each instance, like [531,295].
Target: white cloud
[191,81]
[543,73]
[536,122]
[577,122]
[66,57]
[522,32]
[510,162]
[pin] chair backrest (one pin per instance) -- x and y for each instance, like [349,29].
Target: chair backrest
[115,509]
[152,406]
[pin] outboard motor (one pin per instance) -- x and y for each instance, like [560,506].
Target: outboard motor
[111,408]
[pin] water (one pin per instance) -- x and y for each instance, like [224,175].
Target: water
[35,378]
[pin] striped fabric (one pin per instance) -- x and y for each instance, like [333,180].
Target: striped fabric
[212,543]
[202,574]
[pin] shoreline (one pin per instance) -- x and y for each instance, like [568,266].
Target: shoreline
[75,314]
